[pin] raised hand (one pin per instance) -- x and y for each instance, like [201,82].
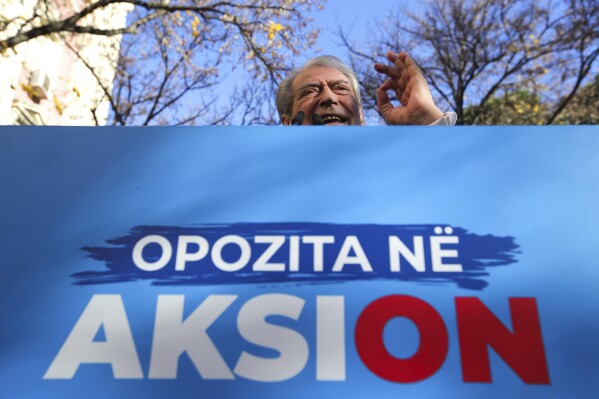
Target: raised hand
[406,79]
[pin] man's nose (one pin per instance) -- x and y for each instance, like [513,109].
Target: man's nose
[327,97]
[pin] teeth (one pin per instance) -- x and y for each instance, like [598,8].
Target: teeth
[331,118]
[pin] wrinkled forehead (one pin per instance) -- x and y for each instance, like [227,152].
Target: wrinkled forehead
[318,75]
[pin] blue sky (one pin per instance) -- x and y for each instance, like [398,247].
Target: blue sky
[350,14]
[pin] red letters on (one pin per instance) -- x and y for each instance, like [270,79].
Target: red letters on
[371,347]
[522,350]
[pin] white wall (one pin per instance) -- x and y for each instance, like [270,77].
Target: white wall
[74,89]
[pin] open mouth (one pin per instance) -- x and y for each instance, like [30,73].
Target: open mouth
[333,119]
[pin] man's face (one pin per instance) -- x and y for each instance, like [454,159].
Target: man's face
[325,92]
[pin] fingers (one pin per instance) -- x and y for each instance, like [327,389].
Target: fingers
[396,71]
[410,67]
[381,96]
[410,63]
[400,70]
[411,88]
[400,74]
[389,84]
[383,101]
[402,91]
[401,80]
[388,70]
[404,61]
[394,85]
[405,67]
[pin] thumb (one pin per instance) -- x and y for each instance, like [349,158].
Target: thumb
[383,102]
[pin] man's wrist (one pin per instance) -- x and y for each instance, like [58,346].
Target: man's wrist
[432,116]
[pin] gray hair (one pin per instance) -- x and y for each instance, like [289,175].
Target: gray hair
[285,91]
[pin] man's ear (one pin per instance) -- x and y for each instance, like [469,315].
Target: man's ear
[362,122]
[285,120]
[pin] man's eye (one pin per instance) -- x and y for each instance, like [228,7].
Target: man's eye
[309,91]
[342,89]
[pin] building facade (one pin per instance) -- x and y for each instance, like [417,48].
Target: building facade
[58,79]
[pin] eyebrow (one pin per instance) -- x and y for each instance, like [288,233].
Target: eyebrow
[329,83]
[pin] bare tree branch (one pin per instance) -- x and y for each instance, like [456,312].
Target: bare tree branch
[474,50]
[174,52]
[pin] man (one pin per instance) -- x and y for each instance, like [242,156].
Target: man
[326,91]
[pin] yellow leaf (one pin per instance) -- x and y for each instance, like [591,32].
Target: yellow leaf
[28,89]
[58,105]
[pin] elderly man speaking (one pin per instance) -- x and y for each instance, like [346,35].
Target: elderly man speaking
[325,91]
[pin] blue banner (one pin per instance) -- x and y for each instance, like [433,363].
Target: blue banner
[288,261]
